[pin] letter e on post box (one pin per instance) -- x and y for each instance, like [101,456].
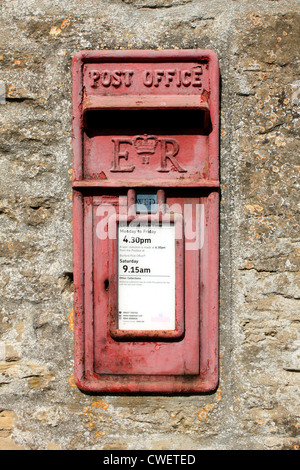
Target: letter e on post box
[145,220]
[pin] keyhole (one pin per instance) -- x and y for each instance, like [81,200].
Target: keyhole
[106,284]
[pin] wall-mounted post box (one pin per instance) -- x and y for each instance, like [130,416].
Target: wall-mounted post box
[146,204]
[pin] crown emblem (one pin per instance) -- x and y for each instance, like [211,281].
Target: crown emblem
[145,143]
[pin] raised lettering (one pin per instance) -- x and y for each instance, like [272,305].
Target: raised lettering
[94,77]
[196,77]
[150,78]
[147,78]
[169,76]
[105,78]
[109,78]
[186,78]
[158,74]
[116,79]
[146,145]
[178,78]
[169,150]
[127,77]
[118,155]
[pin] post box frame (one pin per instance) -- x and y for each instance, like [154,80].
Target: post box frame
[85,376]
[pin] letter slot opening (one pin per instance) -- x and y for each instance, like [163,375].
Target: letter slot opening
[164,122]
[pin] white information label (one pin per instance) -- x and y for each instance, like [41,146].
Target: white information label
[146,278]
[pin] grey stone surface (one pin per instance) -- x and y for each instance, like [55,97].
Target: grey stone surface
[257,402]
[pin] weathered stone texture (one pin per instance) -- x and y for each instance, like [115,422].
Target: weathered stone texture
[256,405]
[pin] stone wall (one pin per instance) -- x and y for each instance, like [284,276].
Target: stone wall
[257,403]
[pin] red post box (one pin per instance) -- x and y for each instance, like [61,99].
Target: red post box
[145,218]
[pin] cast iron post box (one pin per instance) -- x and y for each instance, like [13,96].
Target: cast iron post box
[145,218]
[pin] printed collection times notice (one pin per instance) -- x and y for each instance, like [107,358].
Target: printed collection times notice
[146,277]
